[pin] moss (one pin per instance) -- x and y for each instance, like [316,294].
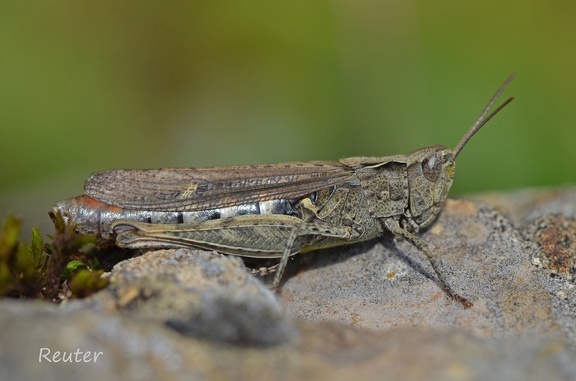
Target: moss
[67,267]
[85,282]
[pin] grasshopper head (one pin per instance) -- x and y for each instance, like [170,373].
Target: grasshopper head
[430,174]
[431,170]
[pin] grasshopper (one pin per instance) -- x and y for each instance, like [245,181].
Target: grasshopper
[274,210]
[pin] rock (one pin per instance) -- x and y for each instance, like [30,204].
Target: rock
[392,285]
[365,311]
[197,293]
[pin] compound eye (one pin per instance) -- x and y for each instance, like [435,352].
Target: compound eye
[432,166]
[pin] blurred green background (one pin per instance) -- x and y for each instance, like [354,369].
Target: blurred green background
[89,86]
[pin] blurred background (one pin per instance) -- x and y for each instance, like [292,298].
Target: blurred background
[89,86]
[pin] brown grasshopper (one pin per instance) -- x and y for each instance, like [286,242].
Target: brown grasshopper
[274,210]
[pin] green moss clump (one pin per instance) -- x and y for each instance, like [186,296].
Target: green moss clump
[66,267]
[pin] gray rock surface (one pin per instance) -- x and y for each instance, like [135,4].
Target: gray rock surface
[196,293]
[368,311]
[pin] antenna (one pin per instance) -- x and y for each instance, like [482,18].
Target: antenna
[483,119]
